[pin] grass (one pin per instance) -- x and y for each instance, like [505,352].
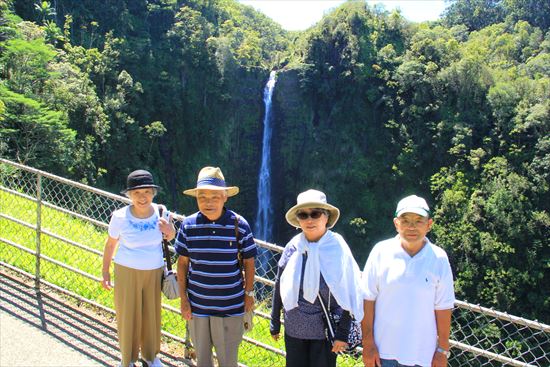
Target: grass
[94,237]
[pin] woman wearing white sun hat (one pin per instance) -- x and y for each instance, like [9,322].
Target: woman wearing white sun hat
[316,262]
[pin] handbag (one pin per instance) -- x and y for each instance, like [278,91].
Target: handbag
[169,281]
[332,320]
[248,317]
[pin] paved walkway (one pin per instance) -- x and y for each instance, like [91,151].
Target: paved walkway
[24,345]
[37,330]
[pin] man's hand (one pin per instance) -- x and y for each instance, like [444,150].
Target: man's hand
[439,360]
[275,336]
[371,358]
[185,308]
[248,303]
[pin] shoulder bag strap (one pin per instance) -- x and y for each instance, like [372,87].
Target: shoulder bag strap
[239,254]
[327,316]
[165,248]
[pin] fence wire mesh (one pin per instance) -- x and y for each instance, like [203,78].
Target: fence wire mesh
[56,229]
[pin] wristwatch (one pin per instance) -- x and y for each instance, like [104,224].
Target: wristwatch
[249,293]
[445,352]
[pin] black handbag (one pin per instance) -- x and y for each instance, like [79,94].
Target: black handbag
[332,321]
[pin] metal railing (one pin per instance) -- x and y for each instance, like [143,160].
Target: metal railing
[53,230]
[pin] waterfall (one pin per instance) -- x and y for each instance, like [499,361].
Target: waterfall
[263,228]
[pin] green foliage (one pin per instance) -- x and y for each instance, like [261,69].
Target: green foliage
[24,65]
[474,14]
[33,132]
[478,14]
[484,228]
[44,10]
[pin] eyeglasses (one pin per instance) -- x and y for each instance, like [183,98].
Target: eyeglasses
[314,214]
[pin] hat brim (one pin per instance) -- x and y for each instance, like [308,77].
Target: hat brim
[231,190]
[139,187]
[293,220]
[419,211]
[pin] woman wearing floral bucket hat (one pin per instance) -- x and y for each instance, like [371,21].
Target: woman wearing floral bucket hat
[137,230]
[316,271]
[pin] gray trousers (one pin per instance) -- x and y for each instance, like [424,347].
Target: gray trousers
[223,333]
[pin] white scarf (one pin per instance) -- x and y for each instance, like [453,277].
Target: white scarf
[331,257]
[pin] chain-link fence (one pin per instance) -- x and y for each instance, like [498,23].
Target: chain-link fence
[54,230]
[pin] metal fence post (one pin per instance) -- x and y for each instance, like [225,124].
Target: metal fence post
[38,228]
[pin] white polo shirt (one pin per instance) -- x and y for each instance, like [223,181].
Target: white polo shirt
[407,290]
[139,240]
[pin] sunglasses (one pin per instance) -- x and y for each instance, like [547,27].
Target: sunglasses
[314,214]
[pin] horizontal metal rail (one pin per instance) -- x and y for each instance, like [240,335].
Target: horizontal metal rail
[65,181]
[484,353]
[73,243]
[503,316]
[17,193]
[74,214]
[18,246]
[269,246]
[18,221]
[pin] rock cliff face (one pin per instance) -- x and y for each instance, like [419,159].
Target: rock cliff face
[292,136]
[326,146]
[242,137]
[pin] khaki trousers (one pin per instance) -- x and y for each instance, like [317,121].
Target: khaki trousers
[137,306]
[224,333]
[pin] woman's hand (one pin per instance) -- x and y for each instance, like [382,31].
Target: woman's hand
[275,336]
[339,346]
[106,282]
[167,228]
[108,252]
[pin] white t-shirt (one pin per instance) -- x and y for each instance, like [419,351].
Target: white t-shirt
[139,240]
[406,291]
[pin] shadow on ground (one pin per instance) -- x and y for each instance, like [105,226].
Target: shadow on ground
[78,329]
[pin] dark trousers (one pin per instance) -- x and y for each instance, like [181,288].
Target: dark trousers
[308,353]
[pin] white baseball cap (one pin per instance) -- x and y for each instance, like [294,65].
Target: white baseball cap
[412,204]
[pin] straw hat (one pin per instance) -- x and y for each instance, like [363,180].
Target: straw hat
[211,178]
[139,179]
[308,200]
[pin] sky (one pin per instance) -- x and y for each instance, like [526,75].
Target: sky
[294,15]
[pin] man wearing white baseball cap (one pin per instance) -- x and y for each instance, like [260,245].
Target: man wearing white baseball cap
[409,294]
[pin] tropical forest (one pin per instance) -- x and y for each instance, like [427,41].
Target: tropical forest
[367,107]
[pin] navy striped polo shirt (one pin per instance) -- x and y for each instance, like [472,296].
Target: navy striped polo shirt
[215,284]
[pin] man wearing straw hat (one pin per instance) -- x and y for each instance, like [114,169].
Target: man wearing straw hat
[213,295]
